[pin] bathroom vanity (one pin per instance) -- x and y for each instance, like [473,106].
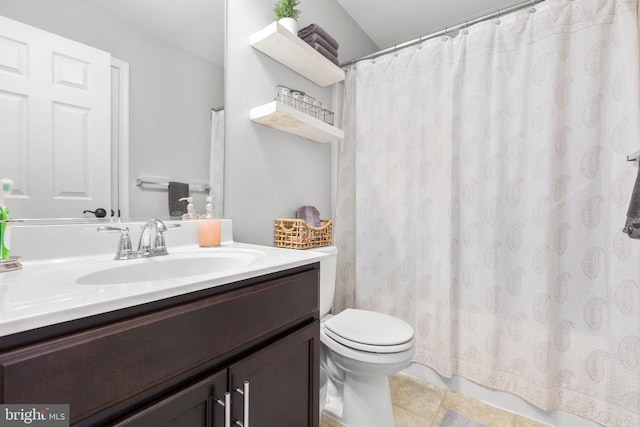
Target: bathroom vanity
[243,346]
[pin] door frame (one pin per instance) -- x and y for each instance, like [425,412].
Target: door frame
[120,139]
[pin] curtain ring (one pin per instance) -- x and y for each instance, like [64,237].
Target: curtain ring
[446,34]
[497,21]
[466,27]
[395,50]
[533,6]
[420,43]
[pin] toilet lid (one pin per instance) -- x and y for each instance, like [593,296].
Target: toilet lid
[370,331]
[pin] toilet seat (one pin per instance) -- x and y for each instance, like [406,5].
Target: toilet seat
[369,331]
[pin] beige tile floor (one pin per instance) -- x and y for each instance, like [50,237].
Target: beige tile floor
[416,404]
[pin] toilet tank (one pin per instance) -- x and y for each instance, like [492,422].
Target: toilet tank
[327,277]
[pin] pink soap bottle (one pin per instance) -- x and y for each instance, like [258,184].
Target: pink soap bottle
[209,227]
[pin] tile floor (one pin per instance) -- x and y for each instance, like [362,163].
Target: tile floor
[416,404]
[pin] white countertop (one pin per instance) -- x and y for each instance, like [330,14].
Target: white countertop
[45,292]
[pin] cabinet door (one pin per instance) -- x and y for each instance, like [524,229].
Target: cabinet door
[194,406]
[282,380]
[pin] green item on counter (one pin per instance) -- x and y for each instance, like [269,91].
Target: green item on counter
[4,243]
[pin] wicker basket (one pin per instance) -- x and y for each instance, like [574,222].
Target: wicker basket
[297,234]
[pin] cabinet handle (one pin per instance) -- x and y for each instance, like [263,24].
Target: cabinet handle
[227,408]
[245,393]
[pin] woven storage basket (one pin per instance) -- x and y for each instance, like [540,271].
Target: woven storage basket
[297,234]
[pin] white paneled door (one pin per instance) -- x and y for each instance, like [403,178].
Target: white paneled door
[54,123]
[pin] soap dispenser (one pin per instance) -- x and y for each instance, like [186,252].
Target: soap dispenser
[191,213]
[209,227]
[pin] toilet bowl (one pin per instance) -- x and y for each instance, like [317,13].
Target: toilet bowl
[359,350]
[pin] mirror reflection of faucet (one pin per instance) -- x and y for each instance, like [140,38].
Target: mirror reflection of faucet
[191,212]
[150,244]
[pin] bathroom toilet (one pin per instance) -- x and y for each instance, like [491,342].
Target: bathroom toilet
[360,349]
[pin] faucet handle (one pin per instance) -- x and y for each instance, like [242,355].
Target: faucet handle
[160,245]
[109,229]
[124,250]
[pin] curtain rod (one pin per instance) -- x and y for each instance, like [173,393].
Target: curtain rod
[500,12]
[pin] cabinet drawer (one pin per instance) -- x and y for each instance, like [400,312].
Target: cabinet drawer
[94,369]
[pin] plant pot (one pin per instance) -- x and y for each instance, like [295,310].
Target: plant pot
[290,24]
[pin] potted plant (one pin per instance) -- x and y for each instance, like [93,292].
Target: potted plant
[286,13]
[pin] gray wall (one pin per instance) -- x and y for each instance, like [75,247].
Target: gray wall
[172,92]
[269,173]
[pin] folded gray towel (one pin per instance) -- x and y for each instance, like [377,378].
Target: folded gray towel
[315,28]
[317,38]
[632,226]
[177,190]
[324,52]
[310,215]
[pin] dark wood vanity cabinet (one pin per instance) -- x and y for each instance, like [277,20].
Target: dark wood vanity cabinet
[171,362]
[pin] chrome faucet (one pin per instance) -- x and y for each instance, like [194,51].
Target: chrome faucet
[152,244]
[151,241]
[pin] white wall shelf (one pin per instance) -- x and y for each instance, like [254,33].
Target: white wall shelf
[293,52]
[280,116]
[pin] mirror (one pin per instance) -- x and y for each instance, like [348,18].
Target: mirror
[174,53]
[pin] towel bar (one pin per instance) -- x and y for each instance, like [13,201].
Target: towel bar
[142,182]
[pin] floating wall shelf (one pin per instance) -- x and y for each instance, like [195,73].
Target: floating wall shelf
[277,115]
[290,50]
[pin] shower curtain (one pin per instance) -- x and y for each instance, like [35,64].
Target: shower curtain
[482,191]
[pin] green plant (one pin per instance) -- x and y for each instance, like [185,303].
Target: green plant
[287,9]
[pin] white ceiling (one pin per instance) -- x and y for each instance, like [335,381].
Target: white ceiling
[390,23]
[194,25]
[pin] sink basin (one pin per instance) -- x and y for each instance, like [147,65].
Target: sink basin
[165,268]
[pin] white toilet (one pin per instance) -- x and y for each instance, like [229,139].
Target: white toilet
[360,349]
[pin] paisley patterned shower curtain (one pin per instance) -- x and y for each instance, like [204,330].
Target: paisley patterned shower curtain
[483,188]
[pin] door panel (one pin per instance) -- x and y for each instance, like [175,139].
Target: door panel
[54,122]
[71,150]
[14,144]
